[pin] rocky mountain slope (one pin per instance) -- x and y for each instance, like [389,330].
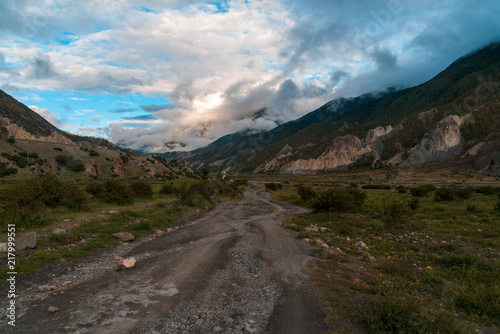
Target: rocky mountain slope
[455,115]
[29,144]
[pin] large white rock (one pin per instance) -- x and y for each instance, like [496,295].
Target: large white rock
[125,264]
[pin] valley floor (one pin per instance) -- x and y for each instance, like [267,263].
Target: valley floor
[234,270]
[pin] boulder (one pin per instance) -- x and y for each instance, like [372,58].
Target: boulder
[3,247]
[27,240]
[159,233]
[125,264]
[124,236]
[59,231]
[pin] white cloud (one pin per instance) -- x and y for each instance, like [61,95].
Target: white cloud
[48,115]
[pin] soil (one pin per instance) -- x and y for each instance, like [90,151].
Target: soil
[232,270]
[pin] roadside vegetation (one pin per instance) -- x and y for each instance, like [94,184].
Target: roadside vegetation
[96,210]
[418,259]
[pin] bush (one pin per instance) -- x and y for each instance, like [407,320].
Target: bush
[273,186]
[452,193]
[423,190]
[10,140]
[111,191]
[307,193]
[141,188]
[339,200]
[377,186]
[394,214]
[486,190]
[240,182]
[401,189]
[57,149]
[414,204]
[167,189]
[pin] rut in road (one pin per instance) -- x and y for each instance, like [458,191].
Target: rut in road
[235,270]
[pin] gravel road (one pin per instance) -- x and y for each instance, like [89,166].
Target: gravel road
[234,270]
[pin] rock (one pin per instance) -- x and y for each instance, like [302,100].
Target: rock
[52,287]
[37,169]
[321,243]
[361,245]
[118,258]
[59,231]
[199,322]
[53,309]
[228,319]
[217,329]
[52,166]
[112,212]
[311,228]
[26,241]
[119,167]
[159,233]
[124,236]
[3,247]
[125,264]
[93,167]
[250,330]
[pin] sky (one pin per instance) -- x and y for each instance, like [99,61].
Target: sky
[164,75]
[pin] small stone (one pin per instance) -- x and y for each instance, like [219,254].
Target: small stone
[217,329]
[53,309]
[124,236]
[112,212]
[52,287]
[199,322]
[3,247]
[125,264]
[118,258]
[228,319]
[67,220]
[250,330]
[159,233]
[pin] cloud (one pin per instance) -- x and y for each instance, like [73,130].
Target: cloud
[48,115]
[95,118]
[42,68]
[218,65]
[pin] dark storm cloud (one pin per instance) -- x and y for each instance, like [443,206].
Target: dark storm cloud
[42,68]
[384,60]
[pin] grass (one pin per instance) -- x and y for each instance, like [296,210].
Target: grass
[436,271]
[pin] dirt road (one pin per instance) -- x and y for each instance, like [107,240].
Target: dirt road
[235,270]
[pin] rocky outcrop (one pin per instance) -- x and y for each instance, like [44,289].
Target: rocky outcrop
[20,133]
[443,142]
[275,164]
[36,169]
[119,167]
[380,133]
[52,166]
[344,151]
[93,167]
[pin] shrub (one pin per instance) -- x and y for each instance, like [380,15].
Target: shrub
[29,198]
[141,188]
[486,190]
[377,186]
[452,193]
[111,191]
[10,140]
[124,158]
[57,149]
[401,189]
[307,193]
[394,214]
[167,189]
[423,190]
[273,186]
[241,182]
[339,200]
[414,204]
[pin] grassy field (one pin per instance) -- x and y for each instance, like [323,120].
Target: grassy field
[391,267]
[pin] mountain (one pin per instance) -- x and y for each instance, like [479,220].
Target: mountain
[455,115]
[29,144]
